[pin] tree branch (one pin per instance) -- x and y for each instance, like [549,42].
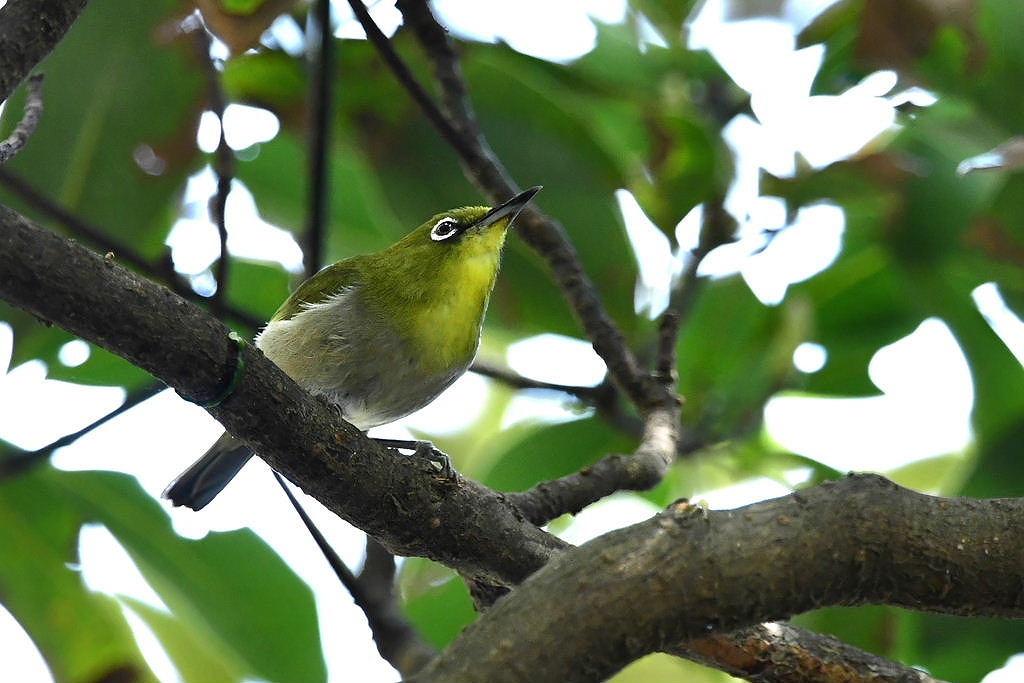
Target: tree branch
[29,30]
[159,269]
[21,462]
[223,168]
[18,138]
[373,592]
[397,641]
[396,498]
[688,573]
[642,470]
[322,65]
[782,653]
[673,579]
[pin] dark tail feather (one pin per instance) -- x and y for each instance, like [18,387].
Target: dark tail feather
[200,483]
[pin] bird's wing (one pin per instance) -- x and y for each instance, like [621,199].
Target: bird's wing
[321,286]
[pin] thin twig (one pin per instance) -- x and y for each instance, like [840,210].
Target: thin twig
[19,137]
[517,381]
[372,591]
[717,229]
[465,148]
[322,66]
[603,397]
[223,169]
[642,470]
[18,464]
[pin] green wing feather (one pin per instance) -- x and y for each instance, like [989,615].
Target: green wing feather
[322,286]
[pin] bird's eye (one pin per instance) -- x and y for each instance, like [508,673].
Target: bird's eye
[443,229]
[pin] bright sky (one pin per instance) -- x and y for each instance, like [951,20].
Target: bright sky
[923,379]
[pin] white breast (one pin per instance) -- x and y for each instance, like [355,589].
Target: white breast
[352,357]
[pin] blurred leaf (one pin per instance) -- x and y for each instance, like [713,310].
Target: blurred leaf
[196,657]
[886,631]
[361,220]
[207,587]
[257,287]
[663,668]
[896,33]
[81,634]
[436,601]
[682,175]
[271,79]
[961,649]
[117,139]
[734,353]
[941,475]
[550,451]
[861,304]
[204,583]
[955,648]
[667,16]
[240,23]
[103,368]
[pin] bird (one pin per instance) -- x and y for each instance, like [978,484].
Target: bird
[378,335]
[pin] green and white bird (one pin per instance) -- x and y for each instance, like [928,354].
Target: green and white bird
[379,335]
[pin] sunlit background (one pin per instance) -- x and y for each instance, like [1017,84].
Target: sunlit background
[922,408]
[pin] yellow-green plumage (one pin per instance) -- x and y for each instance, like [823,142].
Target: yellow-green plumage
[418,306]
[379,335]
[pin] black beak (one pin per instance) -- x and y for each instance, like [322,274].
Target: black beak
[510,208]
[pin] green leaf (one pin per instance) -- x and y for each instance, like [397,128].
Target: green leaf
[257,286]
[81,634]
[195,656]
[551,451]
[272,79]
[667,16]
[361,219]
[103,368]
[230,588]
[437,602]
[123,129]
[209,584]
[734,353]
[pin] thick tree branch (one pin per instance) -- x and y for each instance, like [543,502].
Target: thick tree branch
[393,497]
[158,269]
[690,572]
[670,578]
[781,653]
[29,30]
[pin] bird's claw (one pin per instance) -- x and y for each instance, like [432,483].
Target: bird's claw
[425,450]
[437,458]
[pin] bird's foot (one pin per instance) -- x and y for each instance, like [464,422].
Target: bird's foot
[426,450]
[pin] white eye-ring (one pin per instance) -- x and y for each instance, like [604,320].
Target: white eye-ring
[444,229]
